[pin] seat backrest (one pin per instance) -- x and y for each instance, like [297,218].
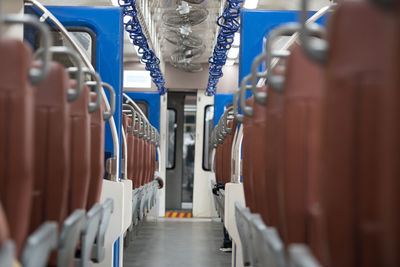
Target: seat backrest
[274,160]
[247,171]
[354,81]
[257,147]
[130,145]
[141,161]
[52,149]
[136,157]
[232,124]
[80,152]
[218,163]
[16,136]
[302,143]
[97,133]
[147,161]
[389,168]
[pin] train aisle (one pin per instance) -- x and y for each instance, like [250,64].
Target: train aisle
[177,243]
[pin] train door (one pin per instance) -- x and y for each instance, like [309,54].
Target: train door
[181,118]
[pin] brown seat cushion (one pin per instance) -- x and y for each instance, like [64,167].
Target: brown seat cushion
[302,147]
[80,152]
[247,170]
[52,150]
[274,160]
[257,148]
[350,176]
[16,137]
[97,131]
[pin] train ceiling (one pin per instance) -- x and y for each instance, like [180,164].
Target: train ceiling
[162,36]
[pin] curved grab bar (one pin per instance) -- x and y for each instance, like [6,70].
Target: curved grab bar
[227,129]
[142,128]
[260,97]
[72,94]
[315,49]
[248,111]
[108,114]
[138,121]
[152,135]
[277,81]
[35,75]
[130,128]
[239,117]
[92,107]
[148,132]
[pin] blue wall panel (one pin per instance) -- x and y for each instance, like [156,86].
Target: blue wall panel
[153,101]
[256,24]
[220,102]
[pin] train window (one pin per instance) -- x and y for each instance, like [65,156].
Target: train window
[208,126]
[86,39]
[171,141]
[143,106]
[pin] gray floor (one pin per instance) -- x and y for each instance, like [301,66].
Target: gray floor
[177,244]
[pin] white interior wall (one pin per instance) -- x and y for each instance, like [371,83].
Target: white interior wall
[203,201]
[12,7]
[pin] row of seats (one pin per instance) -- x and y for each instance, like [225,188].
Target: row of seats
[320,148]
[52,155]
[142,140]
[222,138]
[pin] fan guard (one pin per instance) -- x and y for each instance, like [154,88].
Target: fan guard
[196,15]
[175,38]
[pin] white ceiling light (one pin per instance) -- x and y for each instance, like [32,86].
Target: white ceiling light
[250,4]
[230,62]
[233,52]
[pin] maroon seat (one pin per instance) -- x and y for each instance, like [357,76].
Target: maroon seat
[16,137]
[97,132]
[146,161]
[389,167]
[257,148]
[140,158]
[136,155]
[274,160]
[153,160]
[302,144]
[350,174]
[80,152]
[227,152]
[130,145]
[247,171]
[52,150]
[218,163]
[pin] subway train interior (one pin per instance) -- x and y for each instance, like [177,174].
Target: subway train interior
[199,133]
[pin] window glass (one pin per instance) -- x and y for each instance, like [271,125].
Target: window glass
[208,126]
[171,117]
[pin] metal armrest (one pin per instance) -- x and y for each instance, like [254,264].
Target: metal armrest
[89,233]
[301,256]
[243,228]
[135,206]
[39,246]
[69,238]
[98,251]
[7,252]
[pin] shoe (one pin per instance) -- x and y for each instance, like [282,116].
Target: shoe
[225,249]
